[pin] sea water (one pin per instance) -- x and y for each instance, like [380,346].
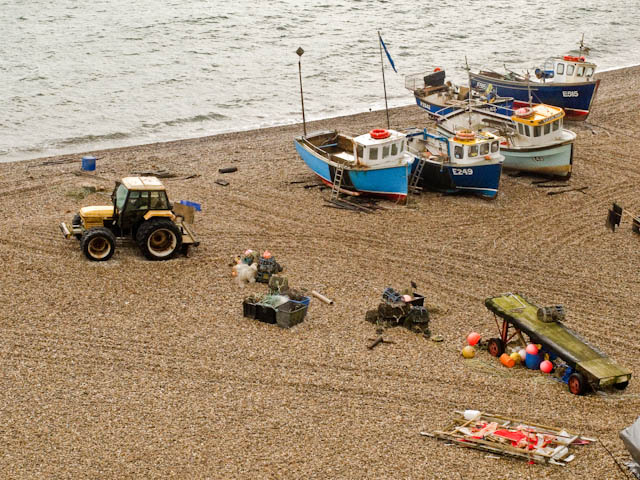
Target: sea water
[80,76]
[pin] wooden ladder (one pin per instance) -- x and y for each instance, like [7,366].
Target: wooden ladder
[337,182]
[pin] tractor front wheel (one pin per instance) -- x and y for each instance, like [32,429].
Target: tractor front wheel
[159,238]
[98,244]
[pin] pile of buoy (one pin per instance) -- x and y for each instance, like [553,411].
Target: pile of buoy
[379,133]
[532,356]
[524,112]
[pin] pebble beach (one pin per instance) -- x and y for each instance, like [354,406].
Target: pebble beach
[132,368]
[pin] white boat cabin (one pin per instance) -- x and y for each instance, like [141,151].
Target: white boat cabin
[380,147]
[469,147]
[540,123]
[567,69]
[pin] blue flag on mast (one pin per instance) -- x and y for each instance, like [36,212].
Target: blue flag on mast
[387,52]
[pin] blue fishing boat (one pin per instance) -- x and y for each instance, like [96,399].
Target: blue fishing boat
[566,82]
[467,162]
[533,137]
[439,98]
[376,163]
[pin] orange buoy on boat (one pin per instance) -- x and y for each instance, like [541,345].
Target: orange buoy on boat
[465,135]
[379,133]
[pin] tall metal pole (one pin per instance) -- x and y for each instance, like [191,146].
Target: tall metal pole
[300,51]
[386,106]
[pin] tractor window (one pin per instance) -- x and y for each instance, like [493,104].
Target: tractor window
[138,201]
[121,196]
[159,201]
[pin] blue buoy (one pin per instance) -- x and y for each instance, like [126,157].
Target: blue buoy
[89,164]
[532,361]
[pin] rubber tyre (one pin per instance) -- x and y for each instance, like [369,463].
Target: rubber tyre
[98,244]
[495,347]
[159,239]
[577,383]
[621,386]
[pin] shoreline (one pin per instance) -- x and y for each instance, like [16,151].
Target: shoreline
[94,151]
[133,368]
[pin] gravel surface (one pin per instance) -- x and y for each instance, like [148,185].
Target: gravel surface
[132,368]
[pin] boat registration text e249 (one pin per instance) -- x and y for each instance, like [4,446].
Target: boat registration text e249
[462,171]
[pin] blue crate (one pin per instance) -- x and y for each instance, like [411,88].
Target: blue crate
[305,301]
[195,205]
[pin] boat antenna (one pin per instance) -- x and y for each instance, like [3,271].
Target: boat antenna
[583,48]
[466,66]
[528,88]
[384,84]
[300,51]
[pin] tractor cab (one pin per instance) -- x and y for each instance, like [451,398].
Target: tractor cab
[135,200]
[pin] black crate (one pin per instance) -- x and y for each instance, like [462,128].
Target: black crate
[290,314]
[265,313]
[417,300]
[248,309]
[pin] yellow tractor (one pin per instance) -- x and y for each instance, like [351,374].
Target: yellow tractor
[141,211]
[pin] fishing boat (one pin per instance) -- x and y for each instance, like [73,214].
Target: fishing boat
[468,162]
[439,98]
[375,163]
[566,82]
[533,137]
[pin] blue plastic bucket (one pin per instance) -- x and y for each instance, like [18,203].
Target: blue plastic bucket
[89,163]
[532,361]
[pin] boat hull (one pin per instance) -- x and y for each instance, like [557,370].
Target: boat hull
[482,180]
[554,161]
[574,98]
[389,182]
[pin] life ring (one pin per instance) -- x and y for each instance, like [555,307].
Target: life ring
[379,133]
[465,135]
[524,112]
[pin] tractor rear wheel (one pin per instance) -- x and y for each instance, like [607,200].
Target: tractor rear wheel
[159,238]
[98,244]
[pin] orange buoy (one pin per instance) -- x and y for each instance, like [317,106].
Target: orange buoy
[532,349]
[507,361]
[546,366]
[379,133]
[465,135]
[266,254]
[437,69]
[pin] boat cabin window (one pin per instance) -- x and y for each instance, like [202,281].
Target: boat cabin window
[580,70]
[484,148]
[458,152]
[570,69]
[385,151]
[526,130]
[547,128]
[560,68]
[360,151]
[494,147]
[373,153]
[473,151]
[555,125]
[394,149]
[589,71]
[537,130]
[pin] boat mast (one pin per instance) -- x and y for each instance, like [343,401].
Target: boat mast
[469,93]
[384,84]
[300,51]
